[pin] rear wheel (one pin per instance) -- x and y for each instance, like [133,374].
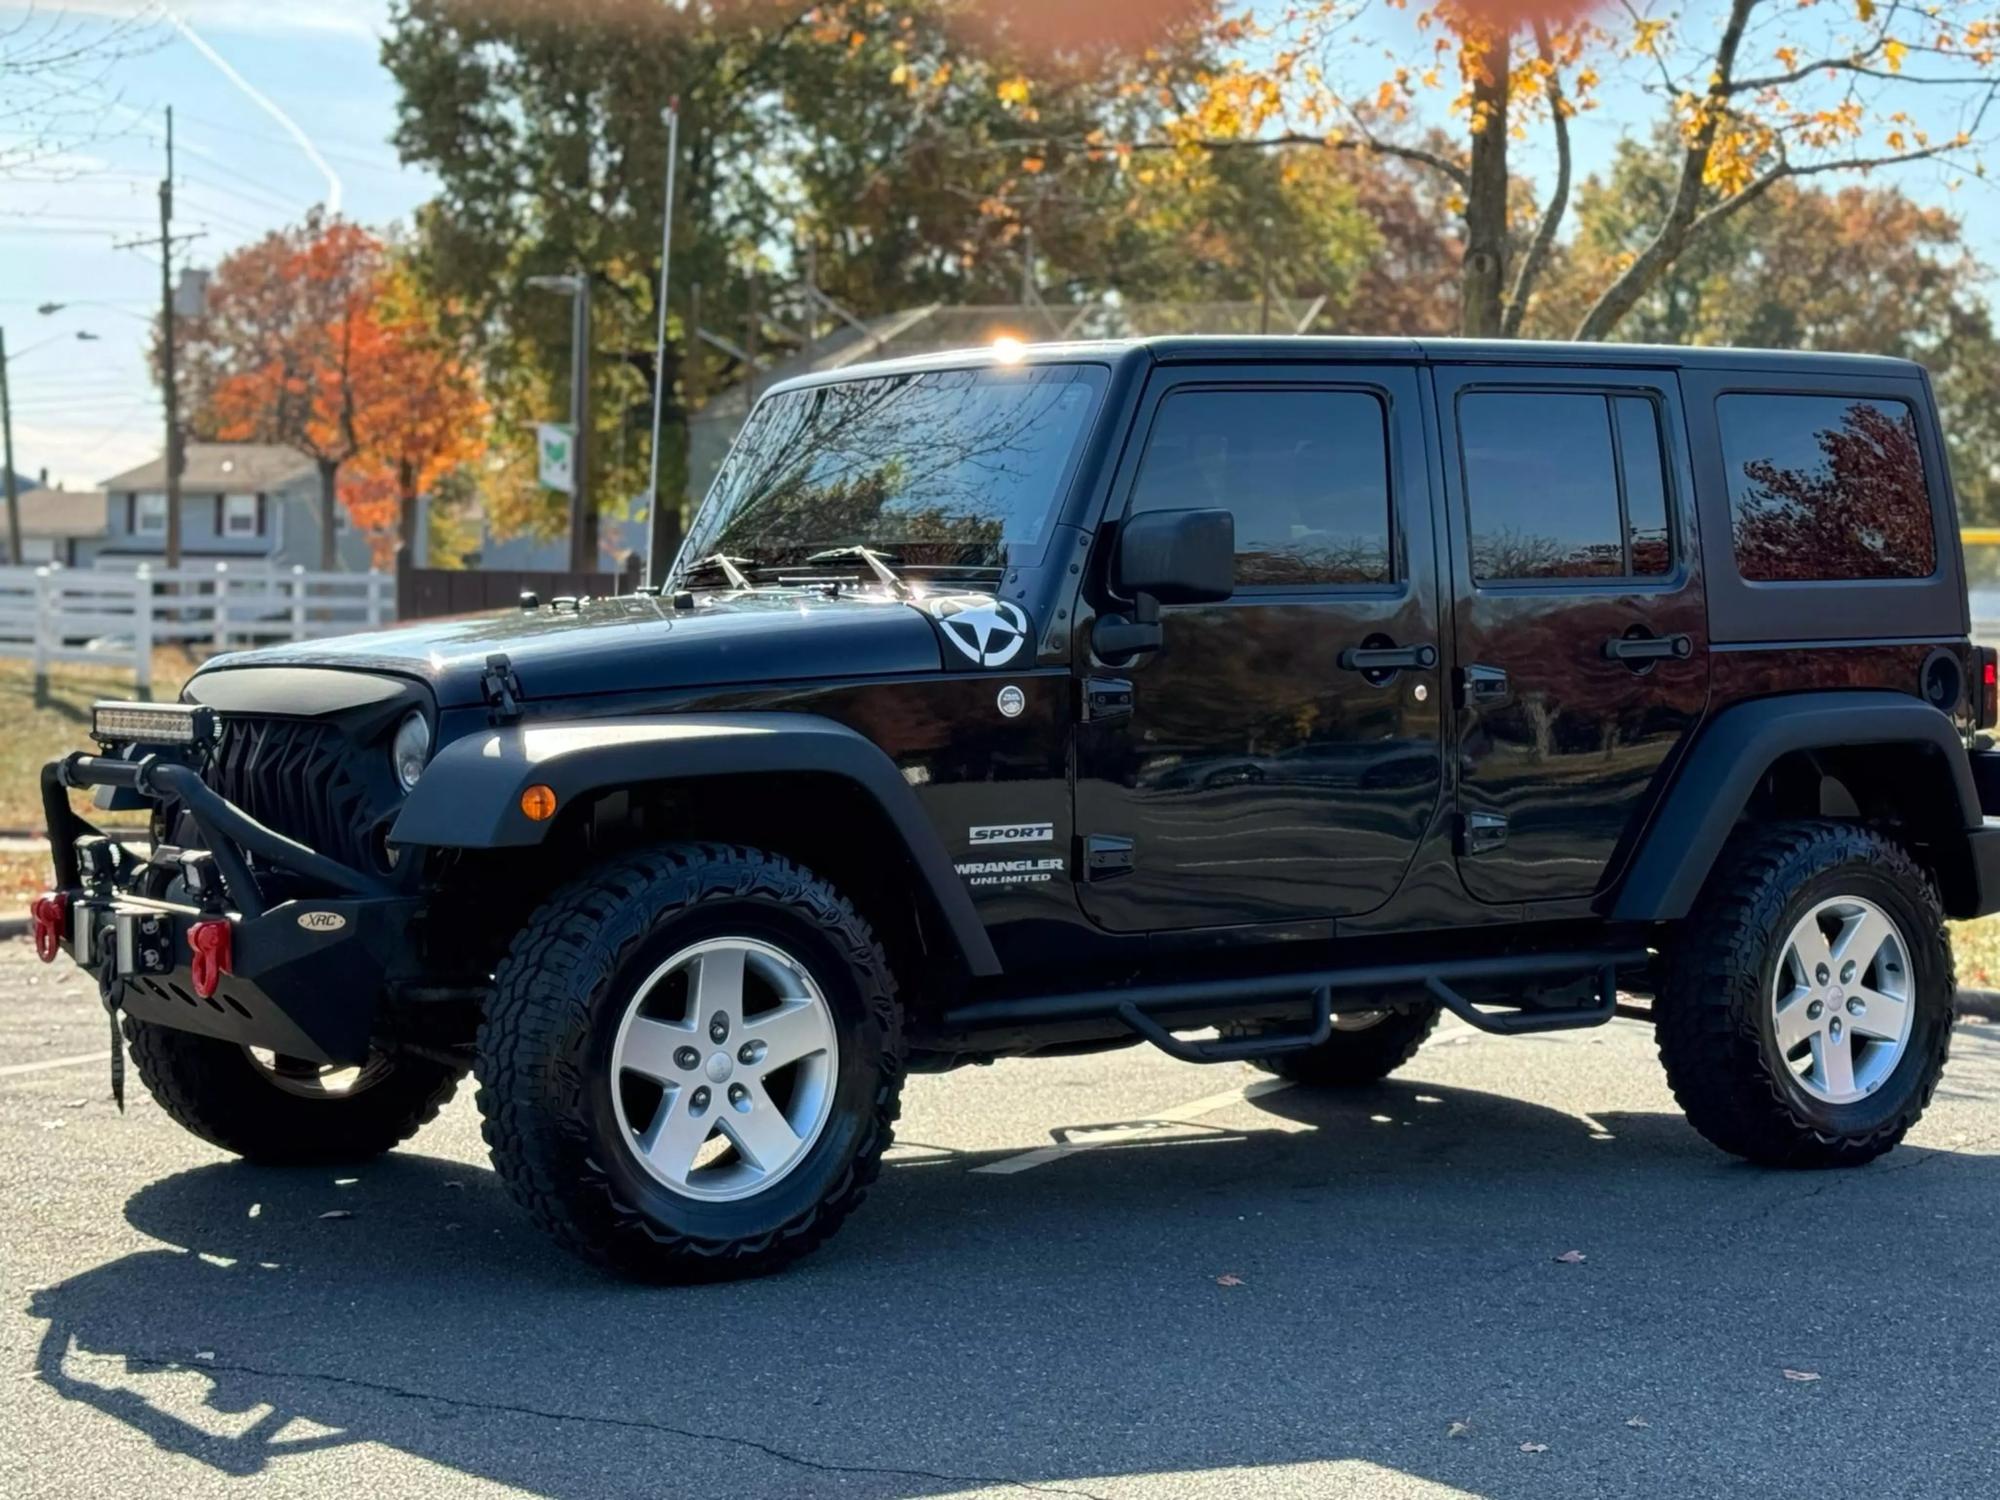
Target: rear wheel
[1366,1047]
[287,1110]
[1806,1011]
[691,1063]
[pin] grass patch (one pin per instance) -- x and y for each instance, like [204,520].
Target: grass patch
[1976,945]
[33,732]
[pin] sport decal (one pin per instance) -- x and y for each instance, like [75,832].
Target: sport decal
[1012,833]
[987,631]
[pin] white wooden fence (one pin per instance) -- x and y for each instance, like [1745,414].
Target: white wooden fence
[115,618]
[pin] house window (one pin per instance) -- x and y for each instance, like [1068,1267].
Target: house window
[241,515]
[149,515]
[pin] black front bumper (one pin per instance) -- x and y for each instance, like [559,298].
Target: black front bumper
[305,978]
[306,973]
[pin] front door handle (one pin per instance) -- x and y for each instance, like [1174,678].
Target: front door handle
[1388,658]
[1649,648]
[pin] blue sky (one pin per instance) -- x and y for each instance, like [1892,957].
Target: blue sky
[86,410]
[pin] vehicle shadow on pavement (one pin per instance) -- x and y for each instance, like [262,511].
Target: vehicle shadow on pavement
[1330,1281]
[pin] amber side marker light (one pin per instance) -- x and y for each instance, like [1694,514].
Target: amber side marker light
[539,803]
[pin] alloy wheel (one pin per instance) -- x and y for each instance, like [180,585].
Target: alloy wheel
[723,1068]
[1842,999]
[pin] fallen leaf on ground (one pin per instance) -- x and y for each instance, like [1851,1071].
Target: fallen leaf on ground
[1571,1258]
[338,1213]
[1637,1422]
[1534,1447]
[1229,1278]
[1801,1374]
[1458,1429]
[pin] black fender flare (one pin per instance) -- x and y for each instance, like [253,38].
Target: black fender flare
[1730,757]
[469,797]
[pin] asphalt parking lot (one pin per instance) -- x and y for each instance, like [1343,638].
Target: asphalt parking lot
[1117,1276]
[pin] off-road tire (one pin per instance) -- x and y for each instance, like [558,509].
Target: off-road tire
[544,1061]
[1713,1014]
[1356,1059]
[213,1089]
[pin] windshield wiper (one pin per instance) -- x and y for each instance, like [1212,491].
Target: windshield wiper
[878,564]
[725,564]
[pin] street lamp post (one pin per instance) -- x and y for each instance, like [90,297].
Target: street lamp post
[582,517]
[7,434]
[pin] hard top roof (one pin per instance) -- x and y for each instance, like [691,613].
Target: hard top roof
[1289,348]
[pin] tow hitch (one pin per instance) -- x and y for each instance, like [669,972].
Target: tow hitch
[50,914]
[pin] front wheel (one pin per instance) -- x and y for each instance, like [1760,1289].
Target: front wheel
[691,1063]
[1806,1010]
[286,1111]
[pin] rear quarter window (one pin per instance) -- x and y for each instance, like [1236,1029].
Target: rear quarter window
[1825,488]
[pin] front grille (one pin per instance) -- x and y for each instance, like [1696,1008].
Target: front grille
[296,776]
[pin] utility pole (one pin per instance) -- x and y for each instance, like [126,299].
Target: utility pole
[170,390]
[7,424]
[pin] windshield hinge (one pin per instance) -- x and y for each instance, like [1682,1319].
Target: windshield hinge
[501,689]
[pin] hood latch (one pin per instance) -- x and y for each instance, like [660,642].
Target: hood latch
[501,689]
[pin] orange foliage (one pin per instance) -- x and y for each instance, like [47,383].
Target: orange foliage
[327,347]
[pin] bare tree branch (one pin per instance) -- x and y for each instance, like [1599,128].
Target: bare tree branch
[1668,241]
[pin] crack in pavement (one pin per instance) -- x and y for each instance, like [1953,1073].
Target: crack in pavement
[154,1364]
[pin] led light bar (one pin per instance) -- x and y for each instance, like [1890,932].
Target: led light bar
[151,724]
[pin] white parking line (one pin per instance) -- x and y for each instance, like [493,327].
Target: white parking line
[1125,1130]
[14,1070]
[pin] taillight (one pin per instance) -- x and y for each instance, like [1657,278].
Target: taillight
[1988,706]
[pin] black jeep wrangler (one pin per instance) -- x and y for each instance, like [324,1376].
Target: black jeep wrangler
[1257,699]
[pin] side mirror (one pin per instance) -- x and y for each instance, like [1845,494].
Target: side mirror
[1166,557]
[1178,556]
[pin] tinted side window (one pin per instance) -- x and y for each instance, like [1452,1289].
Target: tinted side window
[1305,473]
[1553,492]
[1645,474]
[1826,487]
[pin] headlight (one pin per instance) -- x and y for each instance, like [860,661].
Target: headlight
[410,749]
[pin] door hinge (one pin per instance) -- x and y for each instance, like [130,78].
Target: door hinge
[1481,832]
[1481,686]
[501,689]
[1106,857]
[1106,698]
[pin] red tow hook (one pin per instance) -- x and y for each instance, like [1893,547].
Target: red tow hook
[210,942]
[51,917]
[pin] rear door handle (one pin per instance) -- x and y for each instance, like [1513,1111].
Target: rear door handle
[1649,648]
[1388,658]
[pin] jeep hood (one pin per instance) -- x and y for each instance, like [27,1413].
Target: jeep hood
[635,643]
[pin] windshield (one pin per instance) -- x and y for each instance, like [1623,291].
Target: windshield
[950,470]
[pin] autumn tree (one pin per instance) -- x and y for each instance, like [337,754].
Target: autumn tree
[317,338]
[1756,93]
[276,357]
[420,414]
[871,143]
[1859,267]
